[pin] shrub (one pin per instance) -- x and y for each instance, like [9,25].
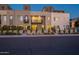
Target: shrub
[19,28]
[5,27]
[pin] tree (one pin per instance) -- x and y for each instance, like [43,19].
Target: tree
[13,28]
[77,23]
[5,28]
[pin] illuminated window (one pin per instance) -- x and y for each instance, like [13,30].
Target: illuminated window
[25,19]
[11,20]
[36,19]
[5,18]
[21,18]
[11,17]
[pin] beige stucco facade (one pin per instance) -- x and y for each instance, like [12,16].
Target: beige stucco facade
[60,19]
[51,18]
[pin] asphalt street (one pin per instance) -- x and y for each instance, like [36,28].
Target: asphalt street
[39,45]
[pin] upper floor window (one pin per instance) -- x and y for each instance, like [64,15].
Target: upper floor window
[36,19]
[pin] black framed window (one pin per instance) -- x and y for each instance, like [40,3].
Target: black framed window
[11,20]
[5,19]
[25,19]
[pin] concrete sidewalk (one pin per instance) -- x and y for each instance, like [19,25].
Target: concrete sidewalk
[38,35]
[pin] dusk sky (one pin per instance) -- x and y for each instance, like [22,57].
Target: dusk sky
[73,9]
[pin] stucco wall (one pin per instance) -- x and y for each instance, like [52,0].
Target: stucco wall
[55,19]
[4,13]
[60,19]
